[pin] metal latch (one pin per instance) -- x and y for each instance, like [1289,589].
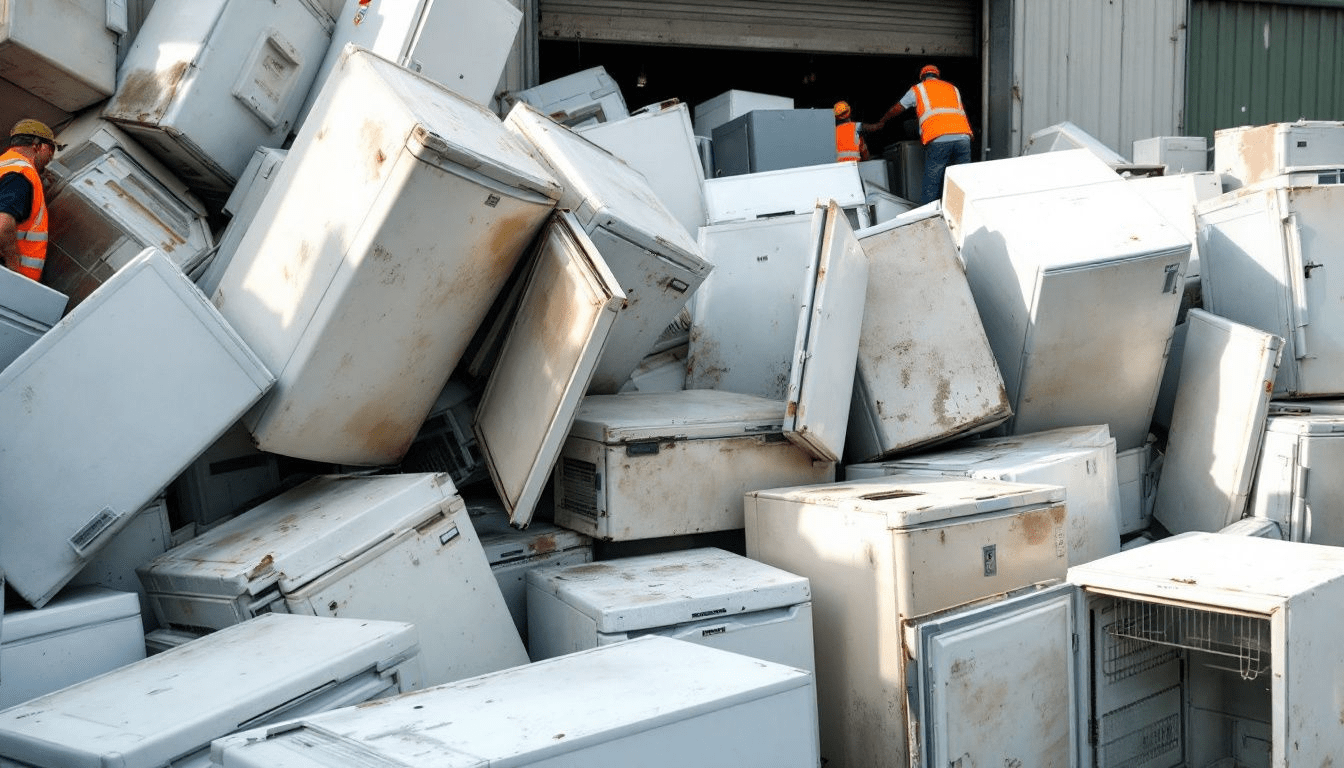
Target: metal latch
[991,559]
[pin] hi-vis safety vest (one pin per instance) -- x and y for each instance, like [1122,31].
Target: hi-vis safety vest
[847,143]
[32,231]
[938,105]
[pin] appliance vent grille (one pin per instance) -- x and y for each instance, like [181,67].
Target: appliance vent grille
[580,487]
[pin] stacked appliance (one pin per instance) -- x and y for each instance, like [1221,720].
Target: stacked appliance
[57,57]
[1298,477]
[771,139]
[1253,154]
[577,100]
[787,190]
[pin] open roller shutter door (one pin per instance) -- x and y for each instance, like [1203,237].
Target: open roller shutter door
[894,27]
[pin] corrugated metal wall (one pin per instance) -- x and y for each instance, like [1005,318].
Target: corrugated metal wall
[1115,69]
[843,26]
[1253,63]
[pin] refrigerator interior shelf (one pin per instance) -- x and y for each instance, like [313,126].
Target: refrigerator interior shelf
[1230,638]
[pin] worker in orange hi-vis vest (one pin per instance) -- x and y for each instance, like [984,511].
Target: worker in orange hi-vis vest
[849,144]
[23,205]
[943,127]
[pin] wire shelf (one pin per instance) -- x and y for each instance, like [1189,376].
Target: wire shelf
[1242,643]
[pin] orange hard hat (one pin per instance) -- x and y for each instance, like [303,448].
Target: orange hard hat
[929,69]
[842,109]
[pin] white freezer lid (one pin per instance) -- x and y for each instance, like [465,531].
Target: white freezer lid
[454,127]
[908,500]
[299,535]
[603,191]
[541,710]
[29,299]
[653,591]
[687,414]
[1013,451]
[1245,573]
[1080,226]
[1307,423]
[504,543]
[177,701]
[72,608]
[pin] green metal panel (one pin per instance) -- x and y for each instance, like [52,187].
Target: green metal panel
[1253,63]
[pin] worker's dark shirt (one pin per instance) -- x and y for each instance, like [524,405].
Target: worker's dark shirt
[16,196]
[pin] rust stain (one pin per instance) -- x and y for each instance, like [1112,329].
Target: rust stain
[371,135]
[262,567]
[1040,525]
[791,409]
[146,93]
[544,544]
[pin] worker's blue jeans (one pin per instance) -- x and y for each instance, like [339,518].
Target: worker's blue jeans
[938,155]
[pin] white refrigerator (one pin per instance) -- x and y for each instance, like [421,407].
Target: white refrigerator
[1300,475]
[657,263]
[1253,154]
[463,45]
[165,710]
[1078,290]
[386,547]
[647,465]
[122,394]
[62,53]
[28,309]
[764,194]
[706,596]
[1266,257]
[1217,424]
[579,99]
[206,82]
[780,318]
[657,141]
[925,373]
[1202,650]
[651,702]
[881,553]
[564,316]
[1079,459]
[361,282]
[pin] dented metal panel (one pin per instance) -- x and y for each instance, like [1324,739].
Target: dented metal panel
[398,215]
[552,350]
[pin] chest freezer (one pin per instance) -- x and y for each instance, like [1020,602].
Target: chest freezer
[712,113]
[925,372]
[657,263]
[241,206]
[386,547]
[653,702]
[1078,290]
[706,596]
[1217,423]
[576,100]
[81,633]
[780,318]
[165,710]
[771,139]
[463,45]
[513,553]
[28,309]
[158,371]
[1266,258]
[1253,154]
[657,141]
[1079,459]
[206,82]
[648,465]
[880,552]
[1201,650]
[360,283]
[966,183]
[784,191]
[63,52]
[564,316]
[1299,475]
[1177,154]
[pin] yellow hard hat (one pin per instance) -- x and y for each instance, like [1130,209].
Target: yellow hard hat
[842,109]
[33,128]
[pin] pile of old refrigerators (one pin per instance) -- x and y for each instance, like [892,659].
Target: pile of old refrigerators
[366,414]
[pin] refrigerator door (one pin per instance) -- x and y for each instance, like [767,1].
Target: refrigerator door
[911,389]
[816,413]
[1216,425]
[1298,475]
[161,374]
[658,143]
[168,708]
[564,318]
[396,218]
[790,190]
[657,264]
[1022,656]
[28,309]
[748,346]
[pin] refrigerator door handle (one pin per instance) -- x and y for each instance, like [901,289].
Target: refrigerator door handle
[1299,312]
[1299,514]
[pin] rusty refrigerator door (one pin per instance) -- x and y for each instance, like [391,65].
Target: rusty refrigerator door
[548,359]
[397,216]
[122,394]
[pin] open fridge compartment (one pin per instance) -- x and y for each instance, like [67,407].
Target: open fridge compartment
[1179,686]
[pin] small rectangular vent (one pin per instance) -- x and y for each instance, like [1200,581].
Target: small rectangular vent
[580,487]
